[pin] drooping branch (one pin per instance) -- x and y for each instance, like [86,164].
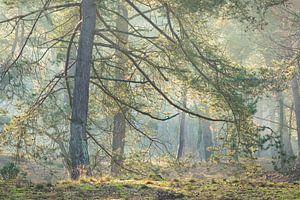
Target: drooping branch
[130,57]
[20,17]
[150,21]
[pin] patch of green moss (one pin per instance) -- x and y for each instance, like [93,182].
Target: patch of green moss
[17,192]
[86,187]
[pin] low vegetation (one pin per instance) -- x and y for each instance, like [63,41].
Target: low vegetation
[134,189]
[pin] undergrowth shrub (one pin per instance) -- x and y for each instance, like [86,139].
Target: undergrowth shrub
[9,171]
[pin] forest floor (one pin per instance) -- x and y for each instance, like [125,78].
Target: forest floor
[195,182]
[105,188]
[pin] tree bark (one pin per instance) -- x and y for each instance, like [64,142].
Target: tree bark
[296,98]
[118,143]
[78,148]
[200,148]
[182,133]
[286,151]
[119,129]
[207,139]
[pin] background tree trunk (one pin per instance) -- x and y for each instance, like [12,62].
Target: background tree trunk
[200,149]
[286,151]
[78,148]
[296,98]
[119,129]
[207,139]
[182,133]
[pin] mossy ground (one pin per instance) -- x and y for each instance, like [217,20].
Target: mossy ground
[195,182]
[106,188]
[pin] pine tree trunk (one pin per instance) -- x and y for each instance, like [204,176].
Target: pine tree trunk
[200,149]
[285,138]
[207,139]
[118,143]
[119,129]
[296,97]
[182,133]
[78,148]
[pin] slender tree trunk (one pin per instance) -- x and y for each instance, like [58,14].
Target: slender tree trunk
[285,138]
[272,116]
[200,149]
[207,139]
[182,133]
[296,97]
[119,129]
[78,148]
[118,143]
